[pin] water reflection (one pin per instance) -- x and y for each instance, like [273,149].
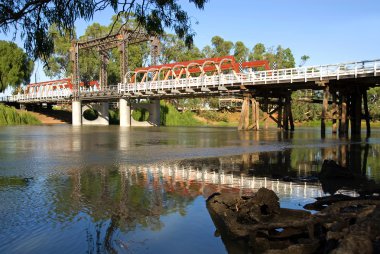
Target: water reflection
[138,190]
[125,198]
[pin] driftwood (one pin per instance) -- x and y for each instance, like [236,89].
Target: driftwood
[266,227]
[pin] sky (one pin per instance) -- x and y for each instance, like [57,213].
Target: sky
[329,31]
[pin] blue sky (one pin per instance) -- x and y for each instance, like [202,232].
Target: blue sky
[329,31]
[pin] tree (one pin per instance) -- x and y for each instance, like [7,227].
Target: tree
[257,52]
[304,59]
[34,18]
[173,49]
[15,66]
[58,64]
[240,51]
[221,47]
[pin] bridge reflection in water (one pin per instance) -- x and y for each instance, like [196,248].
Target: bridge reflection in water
[124,199]
[126,204]
[205,181]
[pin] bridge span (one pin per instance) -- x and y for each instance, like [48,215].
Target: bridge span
[343,86]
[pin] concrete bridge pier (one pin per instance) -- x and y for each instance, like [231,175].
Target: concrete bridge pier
[76,110]
[125,112]
[126,108]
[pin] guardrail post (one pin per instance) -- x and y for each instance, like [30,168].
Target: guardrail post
[375,68]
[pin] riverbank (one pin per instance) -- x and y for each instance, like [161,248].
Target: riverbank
[12,116]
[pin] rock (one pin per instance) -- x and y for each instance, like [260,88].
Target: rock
[360,244]
[344,225]
[331,170]
[260,207]
[238,216]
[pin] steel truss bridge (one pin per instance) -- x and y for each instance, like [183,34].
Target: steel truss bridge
[212,77]
[344,87]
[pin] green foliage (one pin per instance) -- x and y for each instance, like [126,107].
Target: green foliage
[171,117]
[220,47]
[140,114]
[214,116]
[58,64]
[283,58]
[32,19]
[241,52]
[10,116]
[304,111]
[174,49]
[257,52]
[114,117]
[90,114]
[373,96]
[304,59]
[15,66]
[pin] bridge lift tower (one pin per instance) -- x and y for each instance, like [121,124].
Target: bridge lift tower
[120,40]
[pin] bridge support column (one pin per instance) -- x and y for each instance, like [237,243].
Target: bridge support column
[334,112]
[125,112]
[244,122]
[287,113]
[76,110]
[279,114]
[366,113]
[343,122]
[156,114]
[356,113]
[325,104]
[244,115]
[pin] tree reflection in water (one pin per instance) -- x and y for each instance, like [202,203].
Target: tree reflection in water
[115,202]
[118,200]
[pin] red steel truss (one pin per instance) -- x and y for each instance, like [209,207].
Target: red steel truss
[208,66]
[60,84]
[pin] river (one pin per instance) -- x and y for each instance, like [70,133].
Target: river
[67,189]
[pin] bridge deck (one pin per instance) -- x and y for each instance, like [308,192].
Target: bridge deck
[293,78]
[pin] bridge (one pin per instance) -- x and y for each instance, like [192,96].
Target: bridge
[178,80]
[344,87]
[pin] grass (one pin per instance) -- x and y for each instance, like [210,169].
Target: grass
[170,116]
[11,116]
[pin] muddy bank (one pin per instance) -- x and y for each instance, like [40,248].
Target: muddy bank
[259,224]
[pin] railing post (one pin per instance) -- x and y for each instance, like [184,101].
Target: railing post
[375,68]
[305,73]
[337,72]
[265,77]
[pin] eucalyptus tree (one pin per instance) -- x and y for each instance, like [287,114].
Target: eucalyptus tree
[241,52]
[15,66]
[32,19]
[174,49]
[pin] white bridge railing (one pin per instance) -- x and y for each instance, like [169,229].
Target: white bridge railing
[58,95]
[301,74]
